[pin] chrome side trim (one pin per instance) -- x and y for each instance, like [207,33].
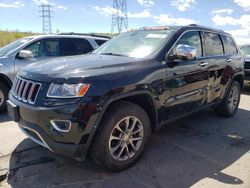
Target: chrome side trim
[43,143]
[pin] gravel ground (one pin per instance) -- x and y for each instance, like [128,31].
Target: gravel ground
[202,150]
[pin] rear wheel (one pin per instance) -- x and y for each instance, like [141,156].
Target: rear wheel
[3,97]
[123,134]
[229,106]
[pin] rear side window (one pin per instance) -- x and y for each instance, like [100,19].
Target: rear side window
[75,46]
[229,45]
[100,42]
[213,44]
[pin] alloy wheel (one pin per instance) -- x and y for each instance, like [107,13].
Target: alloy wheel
[126,138]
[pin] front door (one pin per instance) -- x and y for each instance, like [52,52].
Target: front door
[187,80]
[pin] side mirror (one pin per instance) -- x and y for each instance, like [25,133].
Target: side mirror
[25,54]
[186,52]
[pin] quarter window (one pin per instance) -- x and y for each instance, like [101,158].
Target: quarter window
[229,45]
[213,44]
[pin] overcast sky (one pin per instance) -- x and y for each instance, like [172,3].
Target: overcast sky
[95,15]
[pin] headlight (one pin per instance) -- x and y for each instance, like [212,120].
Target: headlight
[67,90]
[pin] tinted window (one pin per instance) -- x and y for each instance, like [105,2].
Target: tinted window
[213,44]
[74,46]
[191,38]
[45,48]
[245,50]
[229,45]
[100,42]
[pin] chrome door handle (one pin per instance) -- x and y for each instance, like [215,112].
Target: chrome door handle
[229,60]
[203,64]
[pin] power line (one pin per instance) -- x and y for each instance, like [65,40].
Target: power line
[46,14]
[120,16]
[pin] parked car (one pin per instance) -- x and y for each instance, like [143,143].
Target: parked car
[32,49]
[245,49]
[107,103]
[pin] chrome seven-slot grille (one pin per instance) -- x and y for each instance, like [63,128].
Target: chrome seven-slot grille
[25,90]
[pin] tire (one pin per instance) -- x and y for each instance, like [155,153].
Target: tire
[105,150]
[3,97]
[224,109]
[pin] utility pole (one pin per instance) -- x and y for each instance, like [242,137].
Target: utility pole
[120,16]
[45,10]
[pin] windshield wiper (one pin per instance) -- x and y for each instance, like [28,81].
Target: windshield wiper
[112,54]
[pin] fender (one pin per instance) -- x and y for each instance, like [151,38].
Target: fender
[99,117]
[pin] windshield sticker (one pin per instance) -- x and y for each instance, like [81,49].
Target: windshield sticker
[156,36]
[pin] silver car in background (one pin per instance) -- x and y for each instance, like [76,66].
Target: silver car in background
[18,54]
[246,52]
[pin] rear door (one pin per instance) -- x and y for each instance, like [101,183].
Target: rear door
[186,81]
[220,54]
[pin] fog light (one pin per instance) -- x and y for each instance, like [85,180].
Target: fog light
[61,125]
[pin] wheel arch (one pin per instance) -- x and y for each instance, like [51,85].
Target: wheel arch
[149,106]
[4,79]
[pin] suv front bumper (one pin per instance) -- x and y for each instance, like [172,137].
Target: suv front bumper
[35,123]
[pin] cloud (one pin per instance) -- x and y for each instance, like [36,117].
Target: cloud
[223,11]
[167,20]
[182,5]
[243,3]
[107,10]
[143,14]
[242,34]
[16,4]
[62,7]
[46,2]
[146,3]
[243,21]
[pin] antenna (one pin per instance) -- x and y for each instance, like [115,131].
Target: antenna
[120,16]
[45,10]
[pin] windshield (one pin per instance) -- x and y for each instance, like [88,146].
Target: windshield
[12,46]
[139,44]
[245,50]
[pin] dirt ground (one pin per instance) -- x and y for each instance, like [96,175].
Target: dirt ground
[202,150]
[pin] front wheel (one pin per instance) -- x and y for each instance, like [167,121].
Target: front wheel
[123,134]
[229,106]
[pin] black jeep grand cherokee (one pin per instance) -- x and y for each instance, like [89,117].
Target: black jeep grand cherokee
[107,103]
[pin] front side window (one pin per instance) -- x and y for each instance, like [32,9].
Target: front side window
[191,38]
[51,48]
[35,48]
[45,48]
[138,44]
[229,45]
[213,44]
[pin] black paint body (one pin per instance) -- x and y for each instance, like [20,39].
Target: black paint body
[169,93]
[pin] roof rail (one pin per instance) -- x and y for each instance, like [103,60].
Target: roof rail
[84,34]
[192,25]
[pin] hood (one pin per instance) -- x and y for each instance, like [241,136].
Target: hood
[78,67]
